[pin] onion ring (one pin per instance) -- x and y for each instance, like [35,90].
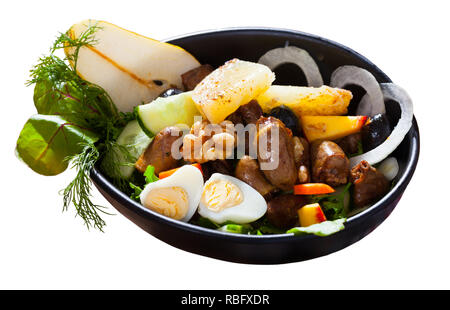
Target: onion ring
[292,54]
[364,106]
[372,103]
[396,93]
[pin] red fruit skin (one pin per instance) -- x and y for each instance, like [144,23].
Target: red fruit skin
[362,121]
[320,216]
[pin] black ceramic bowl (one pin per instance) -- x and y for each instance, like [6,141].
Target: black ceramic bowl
[216,47]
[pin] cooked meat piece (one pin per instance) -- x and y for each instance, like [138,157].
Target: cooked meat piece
[303,175]
[250,112]
[249,137]
[246,114]
[193,77]
[369,184]
[301,155]
[223,166]
[282,210]
[247,170]
[350,144]
[301,151]
[276,152]
[236,118]
[329,164]
[158,153]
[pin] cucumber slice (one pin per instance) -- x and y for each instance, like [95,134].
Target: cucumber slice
[135,141]
[177,110]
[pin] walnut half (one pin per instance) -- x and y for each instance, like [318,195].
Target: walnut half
[207,141]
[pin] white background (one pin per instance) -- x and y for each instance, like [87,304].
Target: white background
[43,248]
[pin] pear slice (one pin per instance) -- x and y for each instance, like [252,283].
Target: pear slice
[131,68]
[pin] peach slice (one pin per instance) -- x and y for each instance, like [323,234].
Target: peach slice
[311,214]
[331,127]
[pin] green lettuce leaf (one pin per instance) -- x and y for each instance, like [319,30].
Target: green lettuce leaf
[150,175]
[321,229]
[264,227]
[334,205]
[260,227]
[46,141]
[237,228]
[137,192]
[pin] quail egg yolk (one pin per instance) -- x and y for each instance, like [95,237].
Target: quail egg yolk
[219,195]
[169,201]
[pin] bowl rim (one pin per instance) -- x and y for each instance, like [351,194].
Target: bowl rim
[395,192]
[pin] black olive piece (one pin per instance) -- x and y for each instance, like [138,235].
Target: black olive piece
[288,117]
[170,92]
[376,132]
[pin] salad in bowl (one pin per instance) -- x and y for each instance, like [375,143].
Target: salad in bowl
[221,146]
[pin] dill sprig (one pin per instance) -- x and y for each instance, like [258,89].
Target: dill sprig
[66,41]
[78,192]
[116,156]
[88,106]
[59,70]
